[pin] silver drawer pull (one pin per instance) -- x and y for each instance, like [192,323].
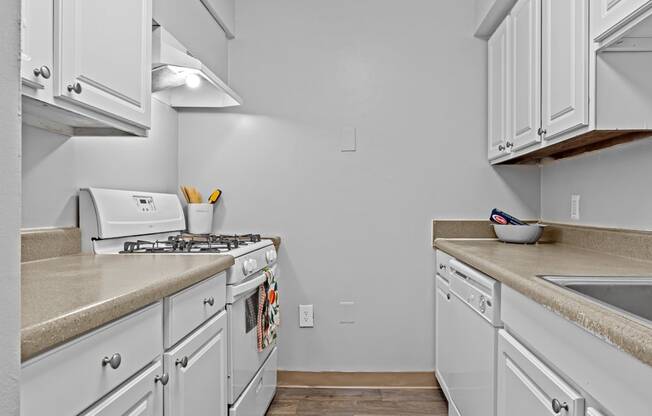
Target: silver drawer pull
[114,361]
[183,362]
[163,379]
[210,301]
[558,407]
[76,88]
[43,71]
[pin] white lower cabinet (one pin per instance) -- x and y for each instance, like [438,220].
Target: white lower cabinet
[526,386]
[197,371]
[122,369]
[142,396]
[74,376]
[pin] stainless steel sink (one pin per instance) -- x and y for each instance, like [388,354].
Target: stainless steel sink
[631,295]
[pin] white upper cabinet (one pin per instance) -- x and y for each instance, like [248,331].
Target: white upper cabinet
[86,66]
[606,15]
[498,92]
[223,11]
[197,369]
[525,79]
[103,54]
[36,47]
[565,69]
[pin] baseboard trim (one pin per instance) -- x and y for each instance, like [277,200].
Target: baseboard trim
[362,380]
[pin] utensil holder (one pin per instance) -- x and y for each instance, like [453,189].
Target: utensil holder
[200,218]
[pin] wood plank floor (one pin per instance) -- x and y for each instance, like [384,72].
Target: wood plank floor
[358,402]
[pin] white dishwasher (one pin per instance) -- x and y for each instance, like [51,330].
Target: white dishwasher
[466,357]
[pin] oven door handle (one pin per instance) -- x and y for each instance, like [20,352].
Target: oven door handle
[247,286]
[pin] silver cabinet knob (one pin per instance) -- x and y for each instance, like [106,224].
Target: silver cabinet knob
[558,407]
[183,362]
[114,361]
[163,379]
[501,147]
[448,296]
[210,301]
[43,71]
[509,144]
[76,88]
[442,267]
[541,131]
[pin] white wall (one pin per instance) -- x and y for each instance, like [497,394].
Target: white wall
[9,209]
[356,226]
[55,167]
[613,184]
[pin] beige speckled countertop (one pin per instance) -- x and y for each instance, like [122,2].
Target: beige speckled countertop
[64,297]
[519,266]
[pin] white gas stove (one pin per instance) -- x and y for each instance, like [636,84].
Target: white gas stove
[123,222]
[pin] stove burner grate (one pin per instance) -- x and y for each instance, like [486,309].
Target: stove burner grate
[191,243]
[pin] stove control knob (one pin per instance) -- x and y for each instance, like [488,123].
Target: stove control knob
[270,256]
[249,266]
[246,267]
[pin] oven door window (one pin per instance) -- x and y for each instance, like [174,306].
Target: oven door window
[251,312]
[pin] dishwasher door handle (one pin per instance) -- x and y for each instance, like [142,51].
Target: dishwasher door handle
[460,269]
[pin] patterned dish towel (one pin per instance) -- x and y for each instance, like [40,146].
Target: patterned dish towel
[268,311]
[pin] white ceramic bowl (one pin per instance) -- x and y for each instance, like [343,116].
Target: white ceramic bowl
[520,234]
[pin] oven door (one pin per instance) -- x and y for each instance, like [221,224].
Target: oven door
[244,358]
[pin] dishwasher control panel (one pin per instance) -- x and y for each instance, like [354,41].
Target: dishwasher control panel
[477,290]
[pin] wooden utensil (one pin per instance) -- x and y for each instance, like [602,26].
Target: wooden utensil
[184,191]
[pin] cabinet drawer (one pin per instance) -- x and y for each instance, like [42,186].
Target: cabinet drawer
[188,309]
[528,386]
[70,378]
[143,393]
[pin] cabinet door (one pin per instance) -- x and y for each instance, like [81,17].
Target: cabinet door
[443,331]
[197,369]
[142,396]
[104,49]
[526,386]
[525,73]
[605,14]
[565,57]
[36,46]
[498,108]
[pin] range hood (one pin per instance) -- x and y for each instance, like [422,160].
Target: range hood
[182,80]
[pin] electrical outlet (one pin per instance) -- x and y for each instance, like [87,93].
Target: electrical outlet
[575,207]
[306,316]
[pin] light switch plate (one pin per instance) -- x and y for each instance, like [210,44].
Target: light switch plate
[349,141]
[347,312]
[306,316]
